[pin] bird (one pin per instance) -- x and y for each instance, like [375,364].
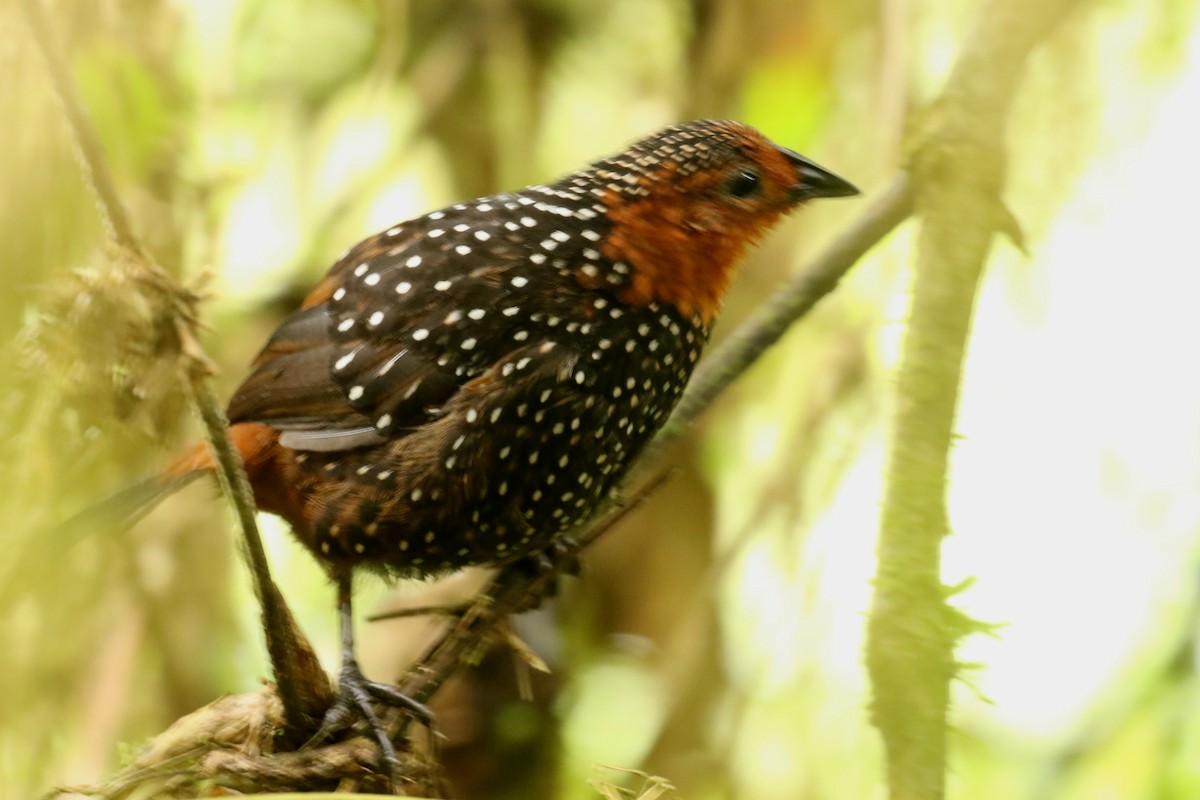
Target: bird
[466,387]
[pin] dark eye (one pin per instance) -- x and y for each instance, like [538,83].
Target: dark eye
[743,183]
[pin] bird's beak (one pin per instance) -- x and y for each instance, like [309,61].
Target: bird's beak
[813,180]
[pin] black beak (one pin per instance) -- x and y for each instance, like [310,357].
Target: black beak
[816,181]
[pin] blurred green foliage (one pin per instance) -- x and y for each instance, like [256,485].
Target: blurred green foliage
[716,636]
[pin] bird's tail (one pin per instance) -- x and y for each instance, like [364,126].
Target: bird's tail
[34,555]
[127,506]
[124,508]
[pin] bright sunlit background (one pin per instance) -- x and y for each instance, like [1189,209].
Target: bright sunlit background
[715,638]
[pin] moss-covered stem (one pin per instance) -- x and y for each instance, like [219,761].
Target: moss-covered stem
[957,168]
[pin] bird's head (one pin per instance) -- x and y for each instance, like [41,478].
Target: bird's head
[686,202]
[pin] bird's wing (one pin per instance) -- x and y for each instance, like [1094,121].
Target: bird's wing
[378,349]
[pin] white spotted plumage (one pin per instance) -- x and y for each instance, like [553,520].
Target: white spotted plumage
[487,354]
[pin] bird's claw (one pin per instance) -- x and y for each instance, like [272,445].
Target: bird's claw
[356,697]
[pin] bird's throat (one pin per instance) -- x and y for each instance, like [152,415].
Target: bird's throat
[686,261]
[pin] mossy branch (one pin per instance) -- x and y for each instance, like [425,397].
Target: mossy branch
[957,165]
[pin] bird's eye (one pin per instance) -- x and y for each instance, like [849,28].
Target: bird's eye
[743,183]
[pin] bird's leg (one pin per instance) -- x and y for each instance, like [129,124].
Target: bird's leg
[356,694]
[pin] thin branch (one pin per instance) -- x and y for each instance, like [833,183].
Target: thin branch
[288,649]
[302,683]
[88,150]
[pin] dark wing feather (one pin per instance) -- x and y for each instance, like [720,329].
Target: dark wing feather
[386,344]
[290,384]
[415,322]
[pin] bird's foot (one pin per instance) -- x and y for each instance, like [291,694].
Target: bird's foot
[560,558]
[356,698]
